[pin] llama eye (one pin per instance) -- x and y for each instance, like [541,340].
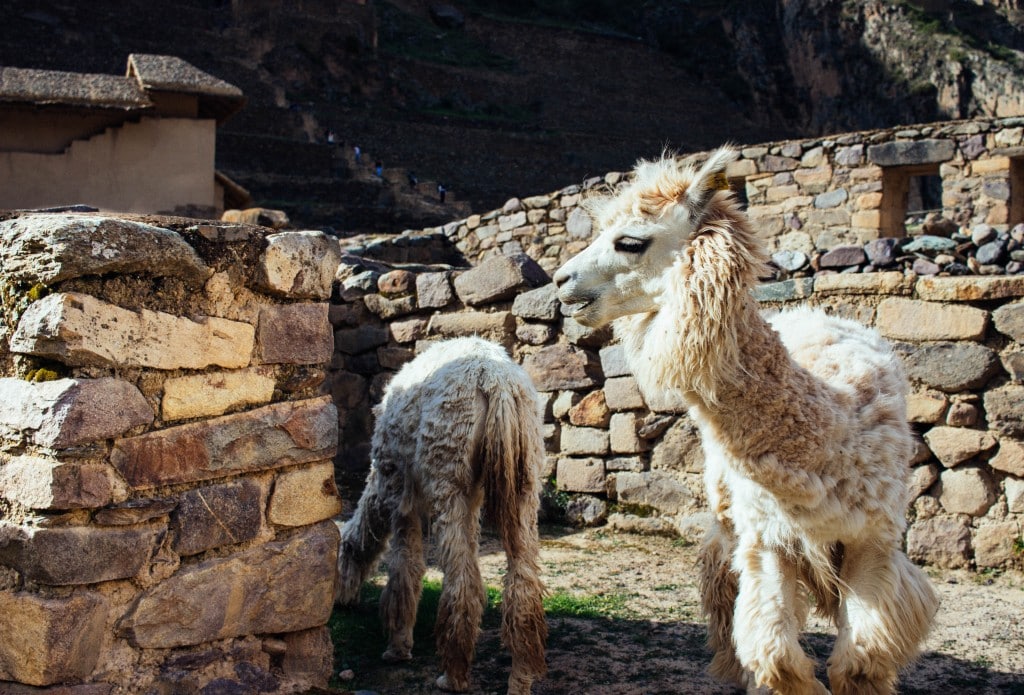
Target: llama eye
[629,244]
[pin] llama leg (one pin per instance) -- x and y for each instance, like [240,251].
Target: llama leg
[766,625]
[524,628]
[462,595]
[363,538]
[884,615]
[401,595]
[718,587]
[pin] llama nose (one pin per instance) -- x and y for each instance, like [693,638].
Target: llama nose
[561,276]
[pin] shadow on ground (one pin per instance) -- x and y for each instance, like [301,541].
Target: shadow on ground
[599,655]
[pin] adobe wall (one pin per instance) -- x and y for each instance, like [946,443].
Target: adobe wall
[166,477]
[115,170]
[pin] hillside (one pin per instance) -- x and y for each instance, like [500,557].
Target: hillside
[512,98]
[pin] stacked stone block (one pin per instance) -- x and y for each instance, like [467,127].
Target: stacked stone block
[806,196]
[166,475]
[638,465]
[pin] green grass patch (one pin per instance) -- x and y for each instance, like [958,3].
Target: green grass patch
[562,604]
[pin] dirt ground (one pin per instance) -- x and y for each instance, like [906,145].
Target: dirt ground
[647,636]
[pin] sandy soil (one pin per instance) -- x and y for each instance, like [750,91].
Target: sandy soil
[651,638]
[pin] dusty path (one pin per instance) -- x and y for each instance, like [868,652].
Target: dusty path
[641,631]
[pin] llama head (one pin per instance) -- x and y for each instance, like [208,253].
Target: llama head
[642,231]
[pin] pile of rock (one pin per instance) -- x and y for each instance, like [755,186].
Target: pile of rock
[942,248]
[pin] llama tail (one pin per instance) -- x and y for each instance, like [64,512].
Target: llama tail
[511,455]
[362,540]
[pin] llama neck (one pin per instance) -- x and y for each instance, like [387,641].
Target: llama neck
[771,411]
[708,364]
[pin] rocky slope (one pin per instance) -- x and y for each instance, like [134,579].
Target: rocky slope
[525,96]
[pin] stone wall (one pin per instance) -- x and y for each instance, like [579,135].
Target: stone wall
[177,398]
[806,196]
[166,475]
[615,458]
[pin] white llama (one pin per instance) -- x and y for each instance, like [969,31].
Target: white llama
[459,428]
[803,422]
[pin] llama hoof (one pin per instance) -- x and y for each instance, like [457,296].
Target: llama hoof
[393,655]
[450,686]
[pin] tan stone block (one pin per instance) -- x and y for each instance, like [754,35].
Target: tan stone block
[77,555]
[994,545]
[797,202]
[990,165]
[269,437]
[741,168]
[591,411]
[864,283]
[836,217]
[584,440]
[926,407]
[623,438]
[813,157]
[866,173]
[815,180]
[50,640]
[409,330]
[1009,458]
[967,490]
[278,587]
[757,212]
[79,329]
[623,393]
[300,265]
[998,213]
[911,319]
[495,325]
[870,219]
[954,445]
[659,489]
[969,289]
[38,483]
[305,496]
[215,393]
[1014,495]
[581,475]
[869,201]
[778,193]
[71,412]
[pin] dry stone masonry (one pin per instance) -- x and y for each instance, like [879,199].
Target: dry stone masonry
[166,456]
[639,465]
[946,288]
[825,203]
[177,399]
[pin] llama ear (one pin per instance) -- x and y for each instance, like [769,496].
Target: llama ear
[710,179]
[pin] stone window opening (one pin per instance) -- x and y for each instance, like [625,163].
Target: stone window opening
[908,194]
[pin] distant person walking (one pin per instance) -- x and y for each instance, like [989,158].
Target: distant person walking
[441,192]
[358,153]
[378,169]
[413,180]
